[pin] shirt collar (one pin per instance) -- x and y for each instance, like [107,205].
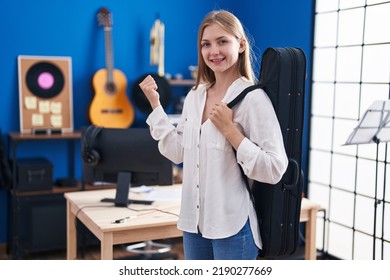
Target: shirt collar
[235,89]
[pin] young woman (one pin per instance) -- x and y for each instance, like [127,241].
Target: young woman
[217,216]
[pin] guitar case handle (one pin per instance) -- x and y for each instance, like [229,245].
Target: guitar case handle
[296,173]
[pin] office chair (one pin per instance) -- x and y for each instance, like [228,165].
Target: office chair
[151,250]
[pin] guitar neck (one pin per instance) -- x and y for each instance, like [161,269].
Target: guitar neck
[109,54]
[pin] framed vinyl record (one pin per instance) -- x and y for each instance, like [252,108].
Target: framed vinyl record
[45,94]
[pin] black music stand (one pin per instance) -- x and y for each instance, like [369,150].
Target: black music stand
[374,127]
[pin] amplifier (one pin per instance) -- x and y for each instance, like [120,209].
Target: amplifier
[34,174]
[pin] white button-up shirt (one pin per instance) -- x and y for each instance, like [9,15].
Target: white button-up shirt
[214,197]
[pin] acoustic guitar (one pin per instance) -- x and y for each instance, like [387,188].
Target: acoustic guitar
[110,106]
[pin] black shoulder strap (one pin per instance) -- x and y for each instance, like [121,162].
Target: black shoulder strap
[231,104]
[241,96]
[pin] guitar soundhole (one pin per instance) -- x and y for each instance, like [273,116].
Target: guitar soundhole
[110,87]
[112,111]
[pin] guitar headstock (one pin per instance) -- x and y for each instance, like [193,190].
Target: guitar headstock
[104,17]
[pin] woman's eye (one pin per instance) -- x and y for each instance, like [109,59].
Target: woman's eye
[221,42]
[204,45]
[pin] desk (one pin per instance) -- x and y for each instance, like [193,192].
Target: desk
[144,225]
[309,215]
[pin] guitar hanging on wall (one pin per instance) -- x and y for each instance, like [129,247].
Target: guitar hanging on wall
[110,106]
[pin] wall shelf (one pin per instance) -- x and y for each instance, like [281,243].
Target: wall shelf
[181,82]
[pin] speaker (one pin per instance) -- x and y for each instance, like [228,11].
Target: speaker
[89,155]
[45,94]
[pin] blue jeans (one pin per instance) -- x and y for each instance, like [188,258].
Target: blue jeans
[237,247]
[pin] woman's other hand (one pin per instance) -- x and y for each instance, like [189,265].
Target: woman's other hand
[222,117]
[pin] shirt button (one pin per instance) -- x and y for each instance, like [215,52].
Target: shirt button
[241,162]
[197,206]
[197,186]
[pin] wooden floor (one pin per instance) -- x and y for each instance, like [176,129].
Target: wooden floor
[120,253]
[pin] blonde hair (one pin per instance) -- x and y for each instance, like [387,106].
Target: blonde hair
[231,24]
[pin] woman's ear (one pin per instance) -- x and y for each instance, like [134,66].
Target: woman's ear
[242,45]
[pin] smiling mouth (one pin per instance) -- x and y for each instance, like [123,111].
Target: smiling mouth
[217,60]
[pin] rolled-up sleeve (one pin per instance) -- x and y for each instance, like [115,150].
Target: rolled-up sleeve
[260,165]
[168,136]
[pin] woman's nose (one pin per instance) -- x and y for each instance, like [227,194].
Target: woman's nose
[214,49]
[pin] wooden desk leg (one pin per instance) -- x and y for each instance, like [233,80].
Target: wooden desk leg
[71,237]
[106,246]
[310,247]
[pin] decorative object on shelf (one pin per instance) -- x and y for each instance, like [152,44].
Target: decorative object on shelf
[45,94]
[179,76]
[110,106]
[194,71]
[157,45]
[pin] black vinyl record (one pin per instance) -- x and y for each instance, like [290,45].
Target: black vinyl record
[140,100]
[45,80]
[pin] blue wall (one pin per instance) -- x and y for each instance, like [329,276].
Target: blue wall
[69,28]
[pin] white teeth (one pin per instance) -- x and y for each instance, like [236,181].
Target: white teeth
[216,60]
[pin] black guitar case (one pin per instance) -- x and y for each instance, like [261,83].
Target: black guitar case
[278,207]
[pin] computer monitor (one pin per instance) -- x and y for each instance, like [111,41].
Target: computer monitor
[126,157]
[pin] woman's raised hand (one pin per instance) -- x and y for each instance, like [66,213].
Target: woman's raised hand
[149,88]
